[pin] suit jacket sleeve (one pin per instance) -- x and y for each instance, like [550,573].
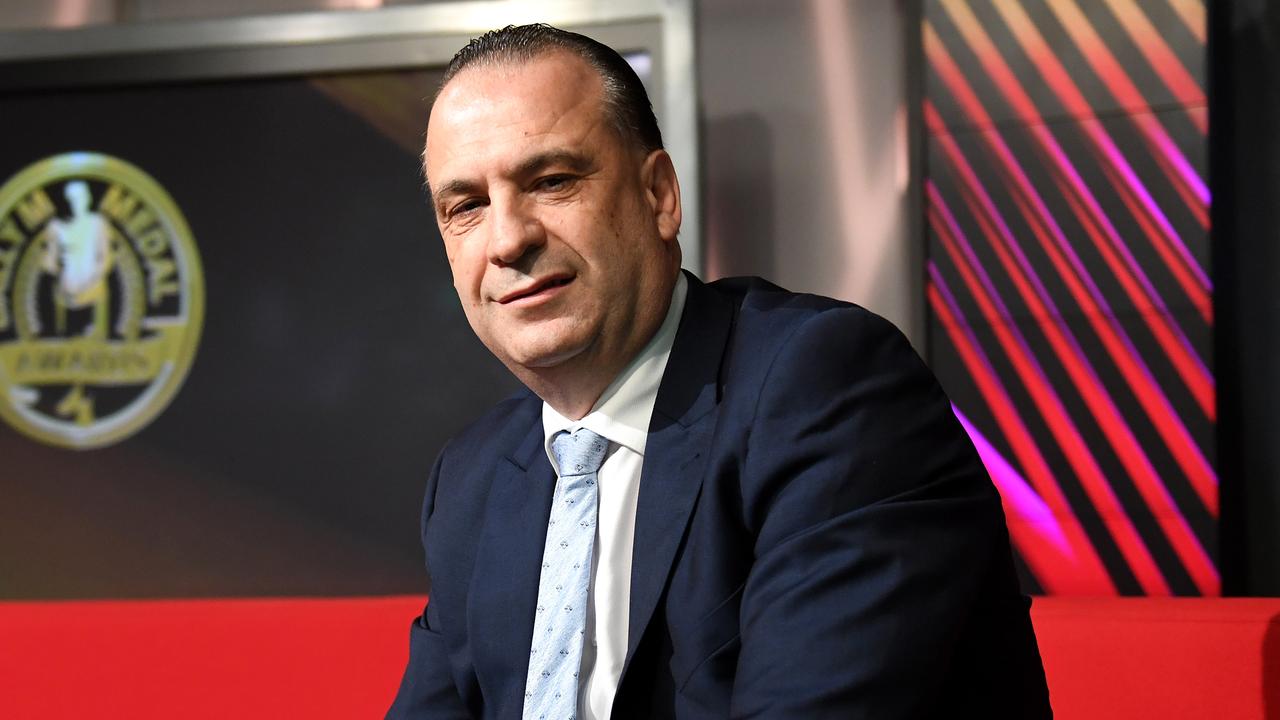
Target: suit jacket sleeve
[427,690]
[877,530]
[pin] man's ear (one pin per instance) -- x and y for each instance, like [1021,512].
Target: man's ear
[662,189]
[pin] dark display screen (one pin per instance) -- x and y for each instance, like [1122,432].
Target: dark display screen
[332,362]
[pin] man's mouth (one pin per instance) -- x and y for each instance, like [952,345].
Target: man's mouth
[545,287]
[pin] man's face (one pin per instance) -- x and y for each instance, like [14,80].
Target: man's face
[559,249]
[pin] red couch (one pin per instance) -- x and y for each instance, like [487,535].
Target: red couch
[341,658]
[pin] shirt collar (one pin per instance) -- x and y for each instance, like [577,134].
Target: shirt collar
[623,412]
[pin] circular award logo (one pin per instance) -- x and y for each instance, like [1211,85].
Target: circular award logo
[101,300]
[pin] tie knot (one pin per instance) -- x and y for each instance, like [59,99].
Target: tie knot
[580,453]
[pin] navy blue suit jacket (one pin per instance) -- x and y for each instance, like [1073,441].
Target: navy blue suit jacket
[816,537]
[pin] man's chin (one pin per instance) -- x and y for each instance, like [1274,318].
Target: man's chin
[543,356]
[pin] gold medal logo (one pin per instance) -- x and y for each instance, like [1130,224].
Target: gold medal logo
[101,300]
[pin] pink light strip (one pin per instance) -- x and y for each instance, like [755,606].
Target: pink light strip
[1026,505]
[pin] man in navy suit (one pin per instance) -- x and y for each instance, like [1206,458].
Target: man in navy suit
[790,523]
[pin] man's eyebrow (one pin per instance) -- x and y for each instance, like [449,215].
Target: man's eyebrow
[453,187]
[575,162]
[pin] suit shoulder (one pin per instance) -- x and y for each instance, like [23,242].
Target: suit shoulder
[771,316]
[500,425]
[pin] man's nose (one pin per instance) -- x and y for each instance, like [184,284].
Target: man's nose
[514,232]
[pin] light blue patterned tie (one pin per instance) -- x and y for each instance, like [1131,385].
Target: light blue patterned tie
[551,690]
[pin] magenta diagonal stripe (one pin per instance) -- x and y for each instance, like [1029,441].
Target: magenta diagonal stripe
[1015,489]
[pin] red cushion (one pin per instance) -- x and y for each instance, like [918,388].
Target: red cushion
[195,659]
[1160,658]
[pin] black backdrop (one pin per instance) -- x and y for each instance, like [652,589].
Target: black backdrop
[1244,103]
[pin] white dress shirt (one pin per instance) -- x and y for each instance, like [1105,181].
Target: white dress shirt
[621,415]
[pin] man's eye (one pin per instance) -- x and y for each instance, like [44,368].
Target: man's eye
[465,207]
[555,182]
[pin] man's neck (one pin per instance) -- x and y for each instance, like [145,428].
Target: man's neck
[574,397]
[573,388]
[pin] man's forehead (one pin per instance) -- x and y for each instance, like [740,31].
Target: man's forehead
[531,100]
[555,75]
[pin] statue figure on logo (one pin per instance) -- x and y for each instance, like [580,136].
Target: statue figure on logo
[79,253]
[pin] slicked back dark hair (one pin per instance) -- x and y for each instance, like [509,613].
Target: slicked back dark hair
[625,100]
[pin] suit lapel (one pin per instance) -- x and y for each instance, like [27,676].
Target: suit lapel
[504,587]
[675,453]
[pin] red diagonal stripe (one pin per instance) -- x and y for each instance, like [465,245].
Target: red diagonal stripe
[1191,12]
[1160,57]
